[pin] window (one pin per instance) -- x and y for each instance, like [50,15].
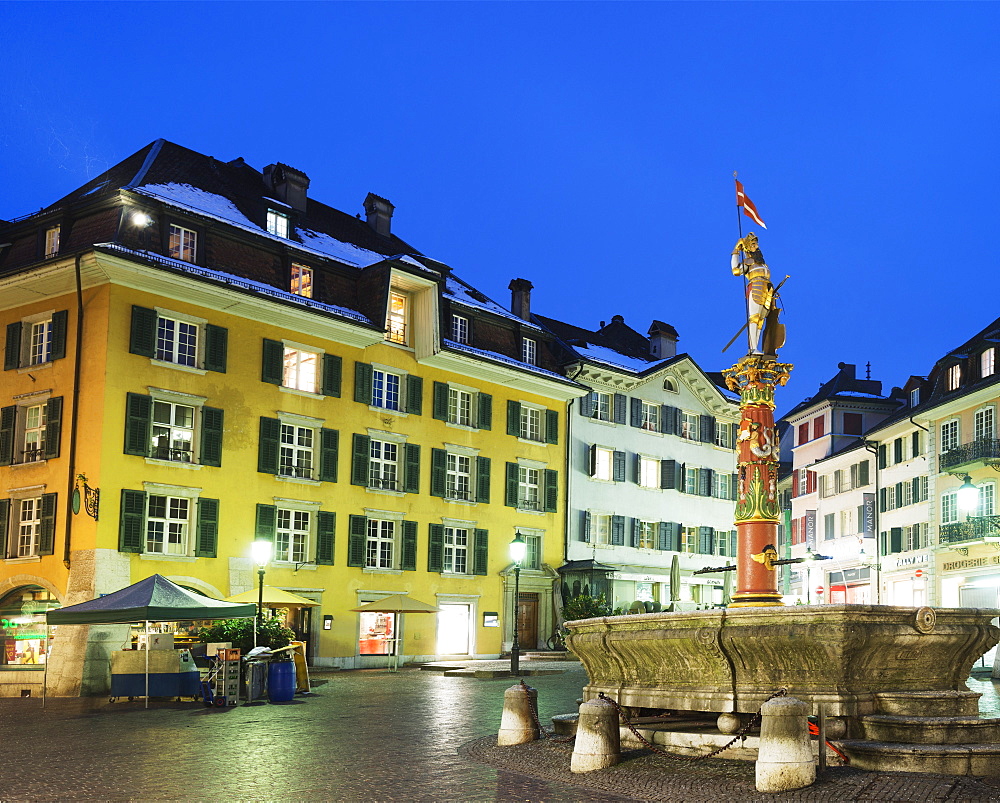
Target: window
[819,427]
[904,496]
[458,477]
[949,435]
[722,485]
[182,243]
[30,431]
[986,364]
[52,241]
[689,540]
[987,499]
[949,507]
[532,552]
[529,351]
[646,534]
[914,537]
[300,370]
[385,389]
[301,283]
[380,544]
[531,423]
[27,525]
[167,524]
[36,340]
[847,522]
[914,397]
[383,465]
[528,489]
[724,435]
[690,423]
[853,423]
[458,473]
[460,329]
[291,538]
[168,520]
[953,377]
[295,458]
[383,541]
[650,417]
[603,464]
[649,472]
[177,339]
[277,223]
[600,528]
[829,524]
[459,407]
[602,405]
[690,480]
[397,319]
[456,550]
[983,424]
[172,431]
[530,486]
[803,433]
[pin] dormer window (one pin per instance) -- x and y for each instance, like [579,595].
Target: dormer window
[460,329]
[397,319]
[277,223]
[953,378]
[301,280]
[529,351]
[52,242]
[986,364]
[182,243]
[914,397]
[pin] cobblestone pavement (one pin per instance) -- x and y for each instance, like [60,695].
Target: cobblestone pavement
[370,736]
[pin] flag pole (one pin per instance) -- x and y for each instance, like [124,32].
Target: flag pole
[739,228]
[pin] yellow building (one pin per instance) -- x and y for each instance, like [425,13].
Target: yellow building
[204,355]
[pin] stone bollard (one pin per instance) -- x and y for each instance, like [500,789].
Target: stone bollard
[598,741]
[517,725]
[784,760]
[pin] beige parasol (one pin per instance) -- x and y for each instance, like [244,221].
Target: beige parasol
[395,603]
[274,598]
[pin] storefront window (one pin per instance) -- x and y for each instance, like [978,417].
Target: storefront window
[378,633]
[22,626]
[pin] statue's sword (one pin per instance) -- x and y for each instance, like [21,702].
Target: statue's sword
[774,294]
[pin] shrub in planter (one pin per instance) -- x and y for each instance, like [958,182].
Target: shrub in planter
[239,632]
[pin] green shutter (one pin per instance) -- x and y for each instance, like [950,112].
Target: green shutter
[706,429]
[863,477]
[734,485]
[272,362]
[510,495]
[485,418]
[588,404]
[329,443]
[414,395]
[360,454]
[411,469]
[663,536]
[8,418]
[268,445]
[480,551]
[439,472]
[363,383]
[356,538]
[216,348]
[4,526]
[53,426]
[514,418]
[895,540]
[585,527]
[266,523]
[133,515]
[212,419]
[706,540]
[408,555]
[435,548]
[483,479]
[551,490]
[668,474]
[332,370]
[618,466]
[208,528]
[138,419]
[12,348]
[675,539]
[59,321]
[552,426]
[47,525]
[142,338]
[618,530]
[621,408]
[326,526]
[440,403]
[668,423]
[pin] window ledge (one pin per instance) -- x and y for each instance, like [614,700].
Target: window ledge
[38,366]
[309,394]
[169,558]
[178,367]
[532,512]
[29,463]
[467,502]
[460,575]
[603,422]
[385,492]
[154,461]
[291,564]
[297,480]
[26,559]
[387,410]
[533,443]
[373,570]
[466,427]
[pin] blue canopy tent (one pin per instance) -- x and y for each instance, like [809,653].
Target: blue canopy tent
[155,599]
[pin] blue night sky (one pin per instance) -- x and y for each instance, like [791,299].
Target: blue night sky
[588,147]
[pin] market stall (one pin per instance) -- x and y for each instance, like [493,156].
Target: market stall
[155,599]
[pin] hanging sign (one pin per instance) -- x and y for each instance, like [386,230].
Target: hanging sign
[868,505]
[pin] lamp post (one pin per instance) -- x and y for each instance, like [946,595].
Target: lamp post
[517,547]
[261,552]
[968,496]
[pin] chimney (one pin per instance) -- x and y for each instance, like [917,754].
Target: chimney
[379,213]
[287,184]
[662,340]
[520,298]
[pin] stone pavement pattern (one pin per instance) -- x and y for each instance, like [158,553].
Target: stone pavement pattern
[367,736]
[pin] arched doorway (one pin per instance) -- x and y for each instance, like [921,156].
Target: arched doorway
[22,626]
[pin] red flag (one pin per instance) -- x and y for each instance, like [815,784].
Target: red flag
[748,208]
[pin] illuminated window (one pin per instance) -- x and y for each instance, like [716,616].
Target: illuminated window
[277,223]
[51,241]
[383,465]
[649,472]
[302,280]
[182,243]
[456,550]
[167,523]
[603,464]
[172,431]
[986,366]
[291,538]
[949,435]
[295,455]
[301,370]
[949,507]
[396,328]
[953,378]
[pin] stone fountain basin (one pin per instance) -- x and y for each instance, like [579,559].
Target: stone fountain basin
[733,660]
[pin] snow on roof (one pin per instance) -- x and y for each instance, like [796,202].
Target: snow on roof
[239,281]
[860,394]
[337,249]
[198,200]
[492,355]
[463,294]
[612,357]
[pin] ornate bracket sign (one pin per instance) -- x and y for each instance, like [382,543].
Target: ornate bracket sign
[91,497]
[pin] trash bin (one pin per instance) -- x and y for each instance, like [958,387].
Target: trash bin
[281,681]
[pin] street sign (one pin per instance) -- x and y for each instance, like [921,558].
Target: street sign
[918,573]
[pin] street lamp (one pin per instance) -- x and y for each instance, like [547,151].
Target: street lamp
[517,548]
[261,552]
[968,495]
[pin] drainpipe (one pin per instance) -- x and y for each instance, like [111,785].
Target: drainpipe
[872,447]
[78,358]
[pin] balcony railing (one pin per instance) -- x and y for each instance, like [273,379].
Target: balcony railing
[384,483]
[975,528]
[984,450]
[33,455]
[299,472]
[462,494]
[529,504]
[171,453]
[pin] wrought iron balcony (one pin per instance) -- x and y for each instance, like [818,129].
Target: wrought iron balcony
[171,453]
[33,455]
[529,504]
[384,483]
[984,450]
[975,528]
[462,494]
[299,472]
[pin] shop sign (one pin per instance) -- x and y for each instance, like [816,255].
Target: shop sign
[911,560]
[868,504]
[811,529]
[971,563]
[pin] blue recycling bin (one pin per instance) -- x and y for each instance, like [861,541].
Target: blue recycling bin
[281,681]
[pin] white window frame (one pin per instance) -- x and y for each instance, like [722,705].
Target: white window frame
[182,243]
[604,459]
[949,507]
[460,329]
[277,223]
[36,341]
[533,542]
[460,406]
[293,538]
[459,480]
[32,434]
[456,552]
[600,529]
[953,377]
[296,373]
[26,530]
[984,423]
[987,503]
[647,535]
[914,397]
[987,363]
[950,435]
[603,403]
[529,491]
[183,547]
[724,435]
[384,464]
[690,423]
[397,318]
[52,235]
[649,472]
[301,280]
[382,380]
[650,416]
[691,479]
[289,467]
[689,540]
[529,350]
[174,432]
[721,484]
[382,542]
[531,423]
[169,350]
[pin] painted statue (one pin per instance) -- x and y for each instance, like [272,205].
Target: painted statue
[762,314]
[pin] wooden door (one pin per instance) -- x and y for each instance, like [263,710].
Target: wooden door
[527,620]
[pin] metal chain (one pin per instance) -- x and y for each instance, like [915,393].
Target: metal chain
[739,735]
[532,704]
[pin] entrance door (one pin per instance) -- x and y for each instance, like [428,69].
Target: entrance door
[301,624]
[527,620]
[453,623]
